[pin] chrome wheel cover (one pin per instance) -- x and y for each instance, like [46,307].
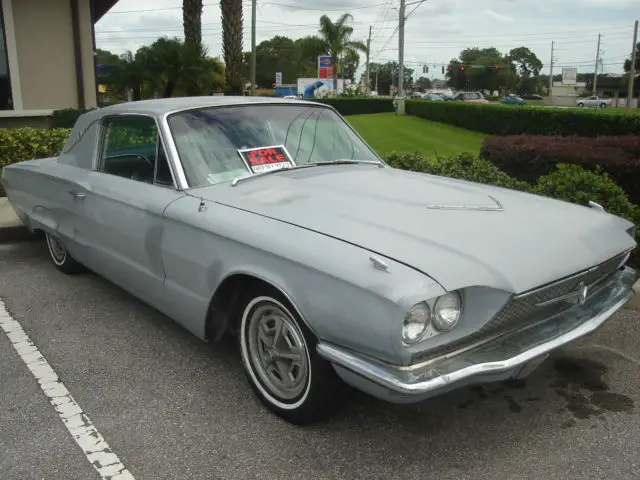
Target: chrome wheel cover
[56,249]
[277,351]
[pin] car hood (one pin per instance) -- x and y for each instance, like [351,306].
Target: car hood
[459,233]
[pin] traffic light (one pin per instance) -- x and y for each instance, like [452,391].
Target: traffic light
[462,68]
[425,69]
[443,69]
[450,67]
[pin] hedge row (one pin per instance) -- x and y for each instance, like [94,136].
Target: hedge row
[359,105]
[505,120]
[528,157]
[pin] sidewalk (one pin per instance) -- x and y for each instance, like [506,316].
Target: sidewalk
[11,228]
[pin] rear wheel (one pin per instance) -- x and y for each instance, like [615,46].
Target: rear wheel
[61,258]
[603,105]
[281,363]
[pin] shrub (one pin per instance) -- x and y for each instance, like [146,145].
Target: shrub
[359,105]
[528,157]
[66,118]
[575,184]
[18,144]
[464,166]
[505,120]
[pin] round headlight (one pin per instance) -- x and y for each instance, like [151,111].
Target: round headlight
[416,323]
[447,311]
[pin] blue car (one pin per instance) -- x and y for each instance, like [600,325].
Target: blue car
[513,100]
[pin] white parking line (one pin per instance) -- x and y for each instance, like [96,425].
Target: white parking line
[77,422]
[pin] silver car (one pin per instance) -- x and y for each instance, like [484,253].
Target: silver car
[273,221]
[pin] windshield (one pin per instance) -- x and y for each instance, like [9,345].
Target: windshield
[208,140]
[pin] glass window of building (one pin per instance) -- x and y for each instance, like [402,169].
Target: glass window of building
[6,102]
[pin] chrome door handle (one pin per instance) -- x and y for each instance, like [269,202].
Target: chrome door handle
[78,195]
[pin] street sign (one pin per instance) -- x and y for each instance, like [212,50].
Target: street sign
[569,75]
[325,66]
[278,79]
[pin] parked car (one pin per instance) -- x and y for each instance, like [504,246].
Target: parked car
[433,97]
[594,102]
[513,100]
[273,221]
[473,97]
[532,96]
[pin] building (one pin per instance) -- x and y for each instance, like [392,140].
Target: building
[47,57]
[615,88]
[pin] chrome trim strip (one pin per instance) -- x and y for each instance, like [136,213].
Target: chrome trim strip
[570,277]
[596,206]
[497,208]
[389,376]
[172,153]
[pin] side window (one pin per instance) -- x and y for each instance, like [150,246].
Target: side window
[132,149]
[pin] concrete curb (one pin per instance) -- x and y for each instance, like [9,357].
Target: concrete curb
[634,303]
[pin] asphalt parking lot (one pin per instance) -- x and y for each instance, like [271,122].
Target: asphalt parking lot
[173,407]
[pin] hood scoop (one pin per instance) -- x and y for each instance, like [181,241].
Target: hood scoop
[497,207]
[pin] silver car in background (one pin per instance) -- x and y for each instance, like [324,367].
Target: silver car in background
[273,221]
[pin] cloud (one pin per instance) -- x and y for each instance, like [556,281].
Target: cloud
[436,31]
[498,16]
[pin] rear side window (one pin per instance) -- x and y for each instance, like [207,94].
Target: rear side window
[133,149]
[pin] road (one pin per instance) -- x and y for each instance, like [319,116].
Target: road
[173,407]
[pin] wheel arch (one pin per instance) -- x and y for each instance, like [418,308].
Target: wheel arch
[226,300]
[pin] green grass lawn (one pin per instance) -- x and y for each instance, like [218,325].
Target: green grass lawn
[386,132]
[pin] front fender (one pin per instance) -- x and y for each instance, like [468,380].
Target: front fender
[333,285]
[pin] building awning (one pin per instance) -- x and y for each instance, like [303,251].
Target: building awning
[100,7]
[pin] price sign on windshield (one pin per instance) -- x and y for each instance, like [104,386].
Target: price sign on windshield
[263,159]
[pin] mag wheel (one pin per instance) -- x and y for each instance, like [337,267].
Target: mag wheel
[60,256]
[281,363]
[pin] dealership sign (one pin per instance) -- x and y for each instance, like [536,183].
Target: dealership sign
[325,66]
[569,75]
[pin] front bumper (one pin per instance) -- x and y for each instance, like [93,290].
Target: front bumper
[511,355]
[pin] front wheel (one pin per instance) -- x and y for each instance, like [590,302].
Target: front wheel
[61,258]
[603,105]
[581,105]
[281,363]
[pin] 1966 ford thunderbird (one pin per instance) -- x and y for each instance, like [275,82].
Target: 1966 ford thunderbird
[272,220]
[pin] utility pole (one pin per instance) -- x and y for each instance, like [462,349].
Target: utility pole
[595,75]
[400,110]
[632,72]
[368,49]
[551,72]
[253,47]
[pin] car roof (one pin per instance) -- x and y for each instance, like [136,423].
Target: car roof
[161,106]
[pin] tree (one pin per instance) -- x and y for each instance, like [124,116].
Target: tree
[232,24]
[627,62]
[192,21]
[105,57]
[387,75]
[528,65]
[422,83]
[308,49]
[130,72]
[350,63]
[337,38]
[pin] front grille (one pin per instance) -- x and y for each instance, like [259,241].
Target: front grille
[524,309]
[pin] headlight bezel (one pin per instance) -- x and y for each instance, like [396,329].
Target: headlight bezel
[431,327]
[441,324]
[426,310]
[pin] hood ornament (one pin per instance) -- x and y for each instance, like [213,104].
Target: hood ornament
[497,208]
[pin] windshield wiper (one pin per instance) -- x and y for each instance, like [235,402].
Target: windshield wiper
[237,180]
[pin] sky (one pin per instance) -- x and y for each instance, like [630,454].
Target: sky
[435,31]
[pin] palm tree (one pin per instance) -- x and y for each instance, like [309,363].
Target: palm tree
[337,38]
[232,44]
[129,73]
[179,64]
[192,21]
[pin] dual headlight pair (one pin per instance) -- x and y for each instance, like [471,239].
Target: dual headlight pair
[443,317]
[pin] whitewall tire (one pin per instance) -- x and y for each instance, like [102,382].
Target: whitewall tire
[61,258]
[281,363]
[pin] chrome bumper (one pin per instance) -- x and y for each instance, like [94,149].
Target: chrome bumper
[508,356]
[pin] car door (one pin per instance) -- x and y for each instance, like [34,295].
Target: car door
[124,206]
[592,101]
